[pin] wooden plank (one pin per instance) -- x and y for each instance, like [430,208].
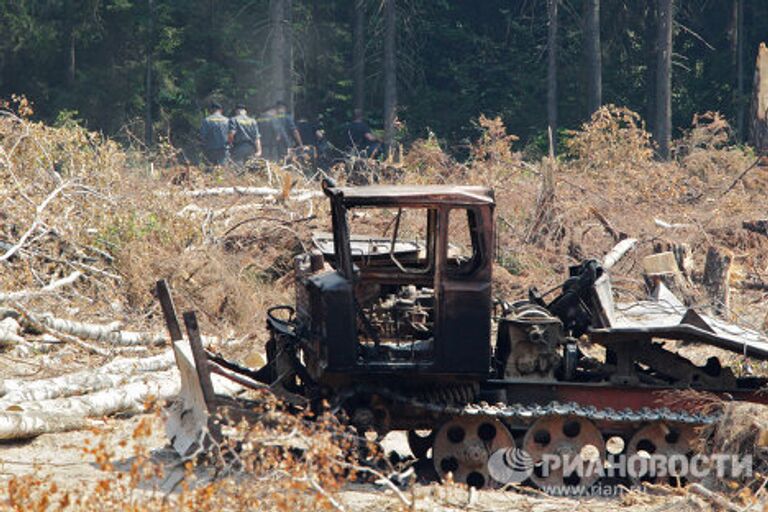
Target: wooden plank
[169,310]
[203,374]
[201,360]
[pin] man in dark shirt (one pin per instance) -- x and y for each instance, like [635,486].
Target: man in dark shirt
[361,138]
[287,135]
[244,136]
[266,124]
[214,135]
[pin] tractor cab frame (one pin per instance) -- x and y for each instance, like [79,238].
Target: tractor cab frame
[408,299]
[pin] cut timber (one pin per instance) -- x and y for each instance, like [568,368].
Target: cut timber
[618,252]
[87,381]
[24,425]
[9,332]
[266,192]
[108,333]
[717,273]
[129,397]
[759,125]
[29,419]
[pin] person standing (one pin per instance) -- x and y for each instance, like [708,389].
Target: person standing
[214,135]
[361,138]
[266,124]
[287,135]
[244,137]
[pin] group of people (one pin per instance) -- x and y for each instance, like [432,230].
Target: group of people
[241,137]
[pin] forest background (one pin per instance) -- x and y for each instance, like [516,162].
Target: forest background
[143,70]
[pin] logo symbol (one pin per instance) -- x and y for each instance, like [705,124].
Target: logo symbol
[510,465]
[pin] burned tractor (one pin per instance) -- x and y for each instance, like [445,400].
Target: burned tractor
[395,327]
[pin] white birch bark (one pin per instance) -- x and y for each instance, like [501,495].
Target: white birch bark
[9,332]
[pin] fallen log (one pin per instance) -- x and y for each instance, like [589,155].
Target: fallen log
[87,381]
[29,419]
[100,332]
[618,252]
[9,332]
[18,425]
[267,192]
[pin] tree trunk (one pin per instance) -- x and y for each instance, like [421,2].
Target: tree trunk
[358,55]
[71,67]
[739,46]
[390,70]
[288,53]
[651,56]
[312,93]
[277,50]
[759,124]
[663,117]
[552,73]
[148,135]
[593,55]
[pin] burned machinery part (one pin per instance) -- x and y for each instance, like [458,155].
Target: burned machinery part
[393,328]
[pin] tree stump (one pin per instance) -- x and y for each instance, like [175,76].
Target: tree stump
[717,273]
[679,279]
[759,122]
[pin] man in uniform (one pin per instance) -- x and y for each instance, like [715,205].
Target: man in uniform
[266,123]
[244,137]
[214,135]
[287,135]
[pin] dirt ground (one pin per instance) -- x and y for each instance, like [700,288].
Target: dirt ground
[63,458]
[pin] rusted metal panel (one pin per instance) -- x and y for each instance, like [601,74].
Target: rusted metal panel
[414,195]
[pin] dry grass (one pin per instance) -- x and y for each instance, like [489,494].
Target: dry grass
[125,224]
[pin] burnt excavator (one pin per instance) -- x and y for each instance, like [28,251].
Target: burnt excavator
[395,327]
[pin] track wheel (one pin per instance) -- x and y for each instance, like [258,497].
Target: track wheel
[566,451]
[657,452]
[463,446]
[420,441]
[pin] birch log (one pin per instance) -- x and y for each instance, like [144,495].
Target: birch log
[9,332]
[618,252]
[17,425]
[267,192]
[87,381]
[29,419]
[110,333]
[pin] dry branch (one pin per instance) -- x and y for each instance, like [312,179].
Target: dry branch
[35,223]
[46,290]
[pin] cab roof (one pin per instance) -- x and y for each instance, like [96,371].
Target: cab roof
[413,195]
